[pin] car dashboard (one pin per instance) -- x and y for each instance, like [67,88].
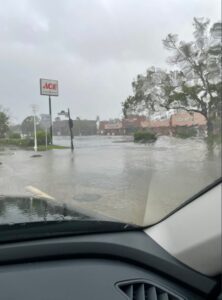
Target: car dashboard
[111,266]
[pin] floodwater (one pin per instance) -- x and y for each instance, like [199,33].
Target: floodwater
[23,210]
[112,176]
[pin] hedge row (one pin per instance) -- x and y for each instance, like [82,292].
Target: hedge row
[14,140]
[144,137]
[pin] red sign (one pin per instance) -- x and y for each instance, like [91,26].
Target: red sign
[49,87]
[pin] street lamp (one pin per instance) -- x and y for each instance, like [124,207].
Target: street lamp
[70,122]
[34,109]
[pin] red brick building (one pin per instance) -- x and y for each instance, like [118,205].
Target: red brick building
[168,126]
[131,124]
[121,127]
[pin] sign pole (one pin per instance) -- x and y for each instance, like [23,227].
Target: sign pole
[35,134]
[49,87]
[50,113]
[70,128]
[46,138]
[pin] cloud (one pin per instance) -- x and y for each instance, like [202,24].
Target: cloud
[93,47]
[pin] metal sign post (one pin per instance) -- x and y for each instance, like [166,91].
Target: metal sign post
[46,138]
[49,87]
[35,136]
[70,124]
[45,122]
[50,113]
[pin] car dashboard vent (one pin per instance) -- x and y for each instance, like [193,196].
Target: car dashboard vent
[141,290]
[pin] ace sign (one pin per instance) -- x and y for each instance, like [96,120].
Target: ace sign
[49,87]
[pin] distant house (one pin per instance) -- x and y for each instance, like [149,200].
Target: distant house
[121,127]
[80,127]
[158,126]
[163,124]
[101,129]
[60,127]
[132,123]
[112,127]
[84,127]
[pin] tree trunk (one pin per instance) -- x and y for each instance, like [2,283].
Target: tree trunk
[209,127]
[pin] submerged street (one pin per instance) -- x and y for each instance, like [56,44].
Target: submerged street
[113,176]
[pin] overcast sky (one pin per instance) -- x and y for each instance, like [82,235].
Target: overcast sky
[95,48]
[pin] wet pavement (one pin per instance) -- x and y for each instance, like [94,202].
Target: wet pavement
[112,175]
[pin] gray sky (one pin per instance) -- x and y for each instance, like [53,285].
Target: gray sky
[95,48]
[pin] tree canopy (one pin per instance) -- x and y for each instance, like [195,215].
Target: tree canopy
[193,85]
[4,122]
[27,125]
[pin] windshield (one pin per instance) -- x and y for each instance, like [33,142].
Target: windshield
[109,110]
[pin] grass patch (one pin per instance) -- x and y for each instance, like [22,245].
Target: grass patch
[16,142]
[144,137]
[27,144]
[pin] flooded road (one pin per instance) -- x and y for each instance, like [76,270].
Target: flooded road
[23,210]
[112,175]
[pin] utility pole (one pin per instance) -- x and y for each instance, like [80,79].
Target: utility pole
[34,109]
[70,129]
[45,123]
[46,138]
[70,124]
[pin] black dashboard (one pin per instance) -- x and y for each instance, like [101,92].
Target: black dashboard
[78,279]
[120,265]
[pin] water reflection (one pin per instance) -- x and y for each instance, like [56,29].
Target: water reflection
[22,210]
[113,176]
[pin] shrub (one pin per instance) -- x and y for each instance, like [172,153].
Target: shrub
[40,134]
[17,142]
[185,132]
[144,137]
[14,135]
[26,142]
[41,137]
